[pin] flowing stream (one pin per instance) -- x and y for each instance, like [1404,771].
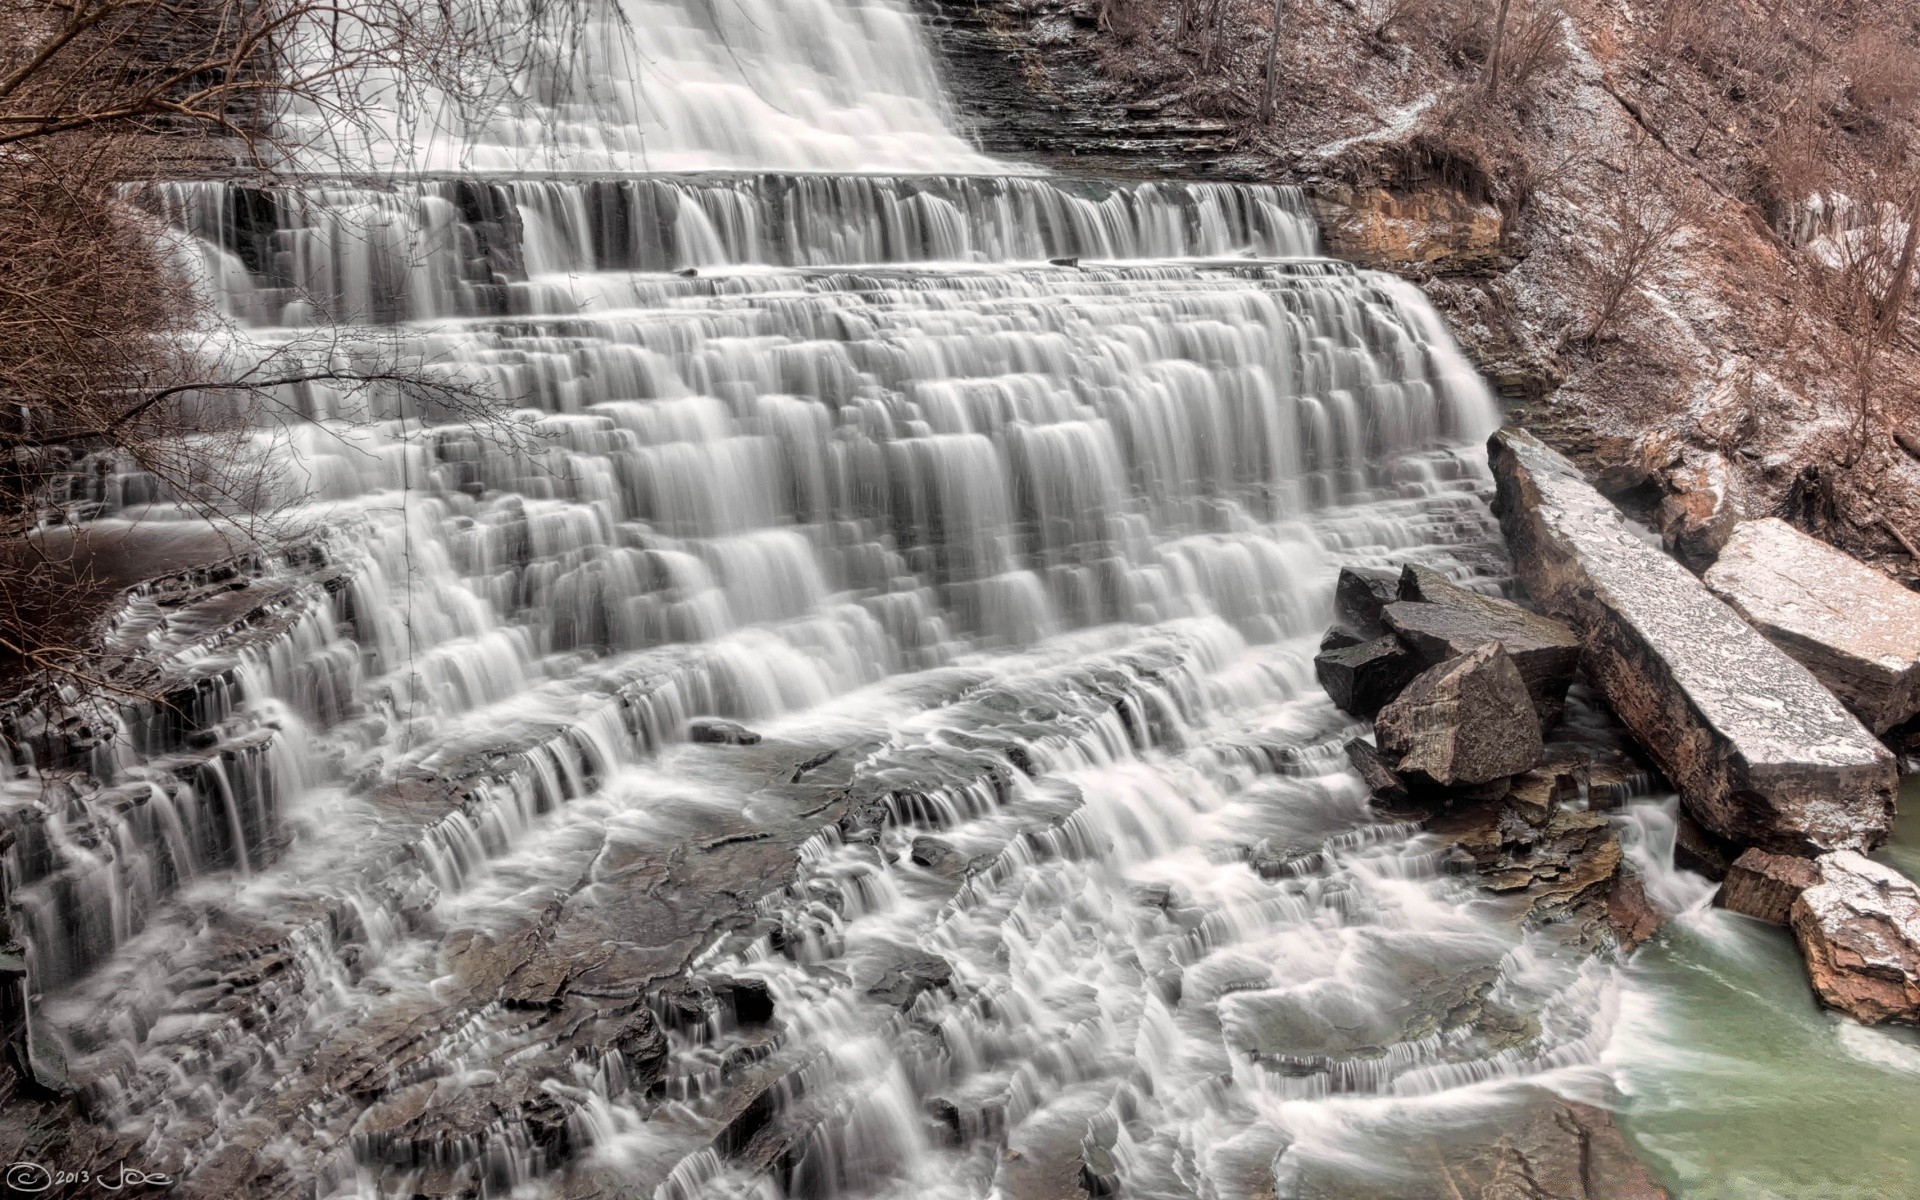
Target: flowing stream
[1004,508]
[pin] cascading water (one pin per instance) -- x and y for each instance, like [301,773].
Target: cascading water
[1048,872]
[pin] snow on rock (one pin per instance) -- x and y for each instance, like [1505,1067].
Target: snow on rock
[1855,629]
[1760,752]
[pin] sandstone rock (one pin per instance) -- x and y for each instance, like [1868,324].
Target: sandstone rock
[716,732]
[1431,225]
[1859,928]
[1466,721]
[1362,678]
[1765,885]
[1439,620]
[1361,593]
[1630,914]
[1700,510]
[1855,629]
[1758,750]
[1374,772]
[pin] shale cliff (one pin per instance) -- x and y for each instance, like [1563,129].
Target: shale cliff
[1676,236]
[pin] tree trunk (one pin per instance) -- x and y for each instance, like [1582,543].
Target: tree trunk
[1273,63]
[1902,285]
[1499,48]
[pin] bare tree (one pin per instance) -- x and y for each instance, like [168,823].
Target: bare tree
[111,369]
[1273,63]
[1499,48]
[1646,215]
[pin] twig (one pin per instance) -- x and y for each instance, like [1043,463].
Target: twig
[1901,538]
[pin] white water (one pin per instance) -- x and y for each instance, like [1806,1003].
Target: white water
[876,480]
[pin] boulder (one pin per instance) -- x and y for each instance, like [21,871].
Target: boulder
[1337,638]
[1466,721]
[716,732]
[911,972]
[1439,620]
[1374,772]
[1859,928]
[1855,629]
[1362,678]
[1760,752]
[1700,511]
[1765,885]
[1361,593]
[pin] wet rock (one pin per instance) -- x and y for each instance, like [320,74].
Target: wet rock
[1466,721]
[1525,1144]
[1375,773]
[1361,678]
[1440,620]
[1360,594]
[1337,638]
[1765,885]
[902,981]
[1696,850]
[1859,929]
[1390,993]
[1568,864]
[1855,629]
[933,854]
[1758,750]
[1630,914]
[715,732]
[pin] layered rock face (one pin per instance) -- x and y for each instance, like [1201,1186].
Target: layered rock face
[1859,928]
[1760,752]
[1855,629]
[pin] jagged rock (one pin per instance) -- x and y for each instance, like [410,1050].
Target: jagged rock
[1362,678]
[1374,771]
[1700,510]
[716,732]
[901,982]
[1631,915]
[1859,928]
[1758,750]
[1360,594]
[1855,629]
[1466,721]
[1337,638]
[933,854]
[1765,885]
[1439,620]
[1703,853]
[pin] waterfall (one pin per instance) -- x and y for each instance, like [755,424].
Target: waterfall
[1005,508]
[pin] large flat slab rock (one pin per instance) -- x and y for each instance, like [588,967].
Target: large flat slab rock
[1760,752]
[1855,629]
[1859,928]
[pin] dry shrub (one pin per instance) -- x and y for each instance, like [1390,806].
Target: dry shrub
[1792,167]
[1643,220]
[1882,71]
[1535,48]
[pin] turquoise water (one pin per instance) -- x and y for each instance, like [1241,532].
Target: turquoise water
[1740,1087]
